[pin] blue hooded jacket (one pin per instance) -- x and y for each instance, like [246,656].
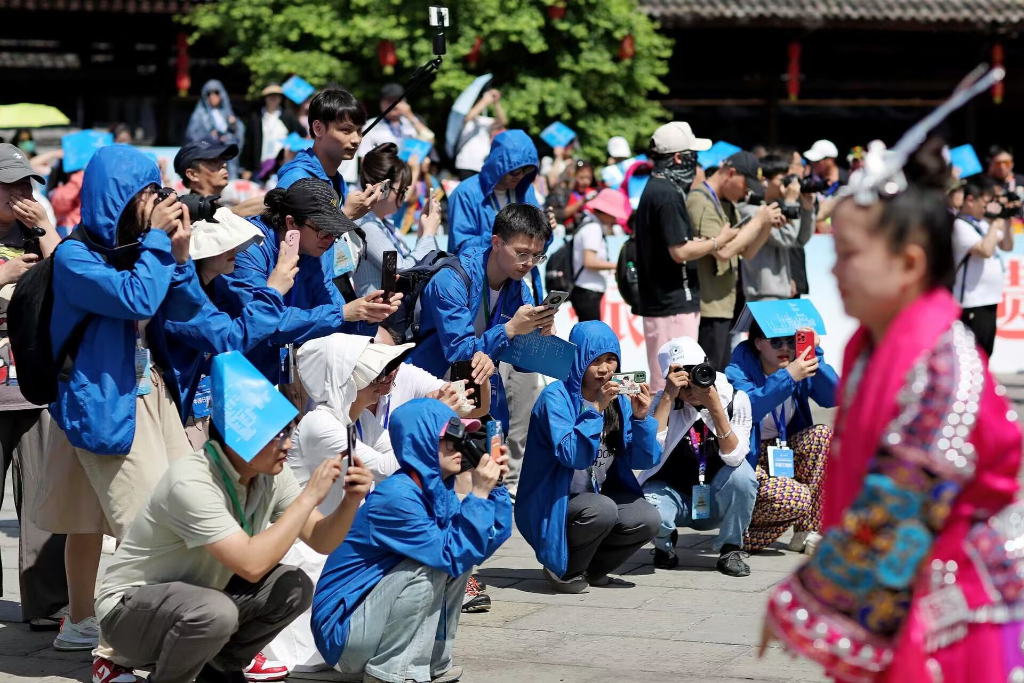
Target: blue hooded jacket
[767,393]
[306,165]
[403,518]
[564,438]
[446,324]
[313,307]
[96,406]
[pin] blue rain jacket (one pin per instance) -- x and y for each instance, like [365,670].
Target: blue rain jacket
[403,518]
[767,393]
[96,406]
[564,438]
[313,306]
[446,322]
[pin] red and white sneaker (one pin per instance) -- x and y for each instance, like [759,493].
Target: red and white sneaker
[105,671]
[475,600]
[263,669]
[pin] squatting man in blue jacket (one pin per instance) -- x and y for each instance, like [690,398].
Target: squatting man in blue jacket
[388,602]
[196,588]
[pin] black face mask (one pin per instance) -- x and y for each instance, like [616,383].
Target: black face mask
[679,174]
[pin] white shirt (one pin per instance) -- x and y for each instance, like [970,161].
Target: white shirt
[481,322]
[410,382]
[474,144]
[590,237]
[768,429]
[983,276]
[274,133]
[581,481]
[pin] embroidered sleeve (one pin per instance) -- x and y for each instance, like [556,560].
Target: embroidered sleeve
[845,606]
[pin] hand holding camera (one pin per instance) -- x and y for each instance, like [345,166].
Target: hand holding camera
[165,212]
[181,239]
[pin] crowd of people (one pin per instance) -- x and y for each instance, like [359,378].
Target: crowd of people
[284,410]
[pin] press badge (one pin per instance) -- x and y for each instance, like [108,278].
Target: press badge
[287,369]
[780,461]
[701,508]
[142,378]
[343,261]
[201,402]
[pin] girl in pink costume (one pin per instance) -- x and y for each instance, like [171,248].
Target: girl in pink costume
[920,573]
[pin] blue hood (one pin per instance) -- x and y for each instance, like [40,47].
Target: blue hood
[511,150]
[114,175]
[592,339]
[307,162]
[415,434]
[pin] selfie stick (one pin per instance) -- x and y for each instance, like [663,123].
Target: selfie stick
[418,77]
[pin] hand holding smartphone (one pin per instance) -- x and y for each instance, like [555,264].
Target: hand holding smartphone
[389,274]
[463,370]
[555,298]
[804,341]
[350,446]
[291,243]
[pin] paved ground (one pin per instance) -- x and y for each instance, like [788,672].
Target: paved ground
[687,625]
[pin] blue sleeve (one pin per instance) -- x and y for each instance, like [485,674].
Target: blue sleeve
[185,297]
[643,451]
[502,518]
[763,399]
[288,179]
[445,297]
[825,383]
[216,332]
[576,441]
[402,524]
[461,226]
[82,276]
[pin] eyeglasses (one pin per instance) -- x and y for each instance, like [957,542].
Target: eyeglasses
[778,342]
[524,257]
[284,435]
[385,379]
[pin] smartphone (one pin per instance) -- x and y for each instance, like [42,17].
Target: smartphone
[554,299]
[389,274]
[744,221]
[463,370]
[353,436]
[804,341]
[495,438]
[385,189]
[629,382]
[291,244]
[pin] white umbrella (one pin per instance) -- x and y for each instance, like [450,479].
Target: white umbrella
[462,105]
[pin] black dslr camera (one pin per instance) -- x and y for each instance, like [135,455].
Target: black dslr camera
[464,441]
[199,208]
[702,375]
[812,185]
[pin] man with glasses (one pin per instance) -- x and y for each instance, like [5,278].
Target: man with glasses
[457,323]
[196,588]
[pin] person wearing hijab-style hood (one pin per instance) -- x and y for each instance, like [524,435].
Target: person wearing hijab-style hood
[214,117]
[579,504]
[395,587]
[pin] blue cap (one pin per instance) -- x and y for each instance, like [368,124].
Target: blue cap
[247,410]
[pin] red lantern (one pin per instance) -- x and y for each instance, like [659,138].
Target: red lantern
[557,10]
[627,48]
[793,72]
[474,54]
[386,56]
[181,78]
[999,89]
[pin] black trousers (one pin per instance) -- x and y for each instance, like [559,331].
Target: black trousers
[714,338]
[982,321]
[603,532]
[586,303]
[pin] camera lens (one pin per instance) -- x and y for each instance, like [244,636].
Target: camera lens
[200,208]
[703,375]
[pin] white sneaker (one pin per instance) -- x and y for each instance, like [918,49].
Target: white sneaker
[109,545]
[85,635]
[813,539]
[799,541]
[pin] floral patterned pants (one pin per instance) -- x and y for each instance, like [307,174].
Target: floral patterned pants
[783,502]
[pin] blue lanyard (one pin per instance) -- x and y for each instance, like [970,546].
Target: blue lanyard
[780,423]
[832,189]
[359,428]
[713,195]
[387,414]
[699,444]
[494,200]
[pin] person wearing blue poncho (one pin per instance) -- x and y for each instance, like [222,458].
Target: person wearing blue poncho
[388,601]
[579,505]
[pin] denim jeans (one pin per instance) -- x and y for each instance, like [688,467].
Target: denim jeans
[405,628]
[733,493]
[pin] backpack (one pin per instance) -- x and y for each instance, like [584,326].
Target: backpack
[626,275]
[558,275]
[28,326]
[411,282]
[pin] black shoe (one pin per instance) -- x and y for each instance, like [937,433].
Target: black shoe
[731,562]
[665,560]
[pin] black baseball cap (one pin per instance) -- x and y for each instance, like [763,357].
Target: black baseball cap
[14,165]
[317,201]
[207,148]
[747,164]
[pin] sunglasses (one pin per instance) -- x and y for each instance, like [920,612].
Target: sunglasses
[779,342]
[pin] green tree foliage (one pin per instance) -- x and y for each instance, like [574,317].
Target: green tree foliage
[548,69]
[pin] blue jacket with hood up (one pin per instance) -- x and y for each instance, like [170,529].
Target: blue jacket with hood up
[403,518]
[564,438]
[313,306]
[96,406]
[449,313]
[767,393]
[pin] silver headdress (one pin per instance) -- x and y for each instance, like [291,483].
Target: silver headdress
[882,174]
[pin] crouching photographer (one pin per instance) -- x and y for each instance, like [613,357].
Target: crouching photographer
[387,605]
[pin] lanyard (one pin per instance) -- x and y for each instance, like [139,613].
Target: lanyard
[699,445]
[210,451]
[832,189]
[973,222]
[494,200]
[713,195]
[487,303]
[780,423]
[389,231]
[387,415]
[359,429]
[138,335]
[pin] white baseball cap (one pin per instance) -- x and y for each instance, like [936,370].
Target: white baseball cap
[229,232]
[680,351]
[618,148]
[677,137]
[822,149]
[375,359]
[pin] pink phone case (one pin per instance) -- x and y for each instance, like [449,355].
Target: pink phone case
[291,243]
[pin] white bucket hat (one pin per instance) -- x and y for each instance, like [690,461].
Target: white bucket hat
[229,232]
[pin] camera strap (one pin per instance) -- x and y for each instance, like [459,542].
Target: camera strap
[780,424]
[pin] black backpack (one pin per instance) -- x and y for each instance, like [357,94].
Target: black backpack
[559,275]
[405,322]
[626,275]
[28,327]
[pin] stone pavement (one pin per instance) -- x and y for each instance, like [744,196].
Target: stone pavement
[687,625]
